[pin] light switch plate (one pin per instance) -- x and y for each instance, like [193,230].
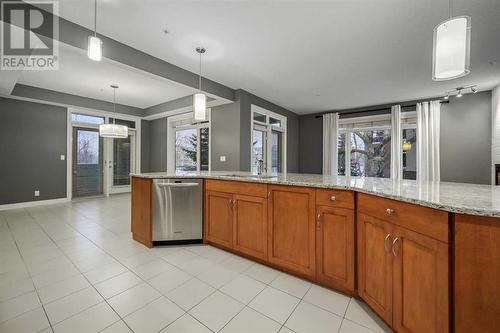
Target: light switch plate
[63,157]
[223,158]
[37,193]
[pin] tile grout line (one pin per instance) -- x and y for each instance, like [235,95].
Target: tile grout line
[30,276]
[36,221]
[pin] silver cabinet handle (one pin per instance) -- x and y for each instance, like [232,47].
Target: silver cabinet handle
[389,211]
[385,242]
[394,246]
[333,198]
[318,219]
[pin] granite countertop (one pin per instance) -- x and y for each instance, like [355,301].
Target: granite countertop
[473,199]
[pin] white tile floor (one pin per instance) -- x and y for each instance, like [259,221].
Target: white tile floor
[74,268]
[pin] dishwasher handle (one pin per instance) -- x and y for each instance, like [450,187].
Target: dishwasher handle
[178,184]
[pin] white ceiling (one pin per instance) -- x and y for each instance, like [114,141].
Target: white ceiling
[80,76]
[304,55]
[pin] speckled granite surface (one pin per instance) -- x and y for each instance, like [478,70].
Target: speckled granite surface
[463,198]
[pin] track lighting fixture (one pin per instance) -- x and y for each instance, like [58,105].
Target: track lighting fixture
[460,91]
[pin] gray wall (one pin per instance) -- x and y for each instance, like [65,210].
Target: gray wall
[145,145]
[311,144]
[32,138]
[246,99]
[466,139]
[158,145]
[225,136]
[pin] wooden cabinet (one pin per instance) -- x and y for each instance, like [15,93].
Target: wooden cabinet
[142,221]
[335,247]
[236,216]
[219,218]
[291,231]
[403,274]
[375,265]
[477,274]
[420,283]
[250,225]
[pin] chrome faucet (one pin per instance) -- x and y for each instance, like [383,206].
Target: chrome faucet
[260,167]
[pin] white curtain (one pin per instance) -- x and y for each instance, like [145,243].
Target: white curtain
[330,150]
[396,144]
[428,122]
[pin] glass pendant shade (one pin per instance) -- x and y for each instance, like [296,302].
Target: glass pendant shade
[94,51]
[200,106]
[451,51]
[113,131]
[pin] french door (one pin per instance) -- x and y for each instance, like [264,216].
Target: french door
[100,166]
[88,166]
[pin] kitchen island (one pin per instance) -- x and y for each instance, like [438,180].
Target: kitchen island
[424,256]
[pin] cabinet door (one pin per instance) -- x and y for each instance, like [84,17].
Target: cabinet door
[250,226]
[291,233]
[375,264]
[219,218]
[420,283]
[142,221]
[335,247]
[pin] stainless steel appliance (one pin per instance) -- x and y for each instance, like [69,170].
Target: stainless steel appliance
[177,211]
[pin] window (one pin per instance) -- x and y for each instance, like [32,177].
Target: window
[364,147]
[83,118]
[371,153]
[409,153]
[268,142]
[87,147]
[188,145]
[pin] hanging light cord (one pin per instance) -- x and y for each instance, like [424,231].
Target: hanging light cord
[114,105]
[95,18]
[199,79]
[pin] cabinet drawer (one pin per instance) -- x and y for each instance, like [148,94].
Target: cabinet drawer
[236,187]
[424,220]
[335,198]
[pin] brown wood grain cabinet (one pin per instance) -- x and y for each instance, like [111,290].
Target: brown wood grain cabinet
[477,274]
[291,229]
[335,248]
[219,218]
[141,216]
[375,264]
[403,274]
[250,225]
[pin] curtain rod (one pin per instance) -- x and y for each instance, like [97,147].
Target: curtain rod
[376,110]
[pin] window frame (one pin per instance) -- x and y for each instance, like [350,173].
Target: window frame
[171,135]
[268,128]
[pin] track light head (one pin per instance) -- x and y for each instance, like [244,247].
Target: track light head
[474,90]
[459,93]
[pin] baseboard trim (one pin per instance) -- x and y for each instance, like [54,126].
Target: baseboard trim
[33,203]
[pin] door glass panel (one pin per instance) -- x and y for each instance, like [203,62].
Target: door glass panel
[87,162]
[204,149]
[371,153]
[122,161]
[185,149]
[274,122]
[276,151]
[409,153]
[258,144]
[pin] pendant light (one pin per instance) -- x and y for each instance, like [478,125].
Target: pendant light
[200,99]
[113,130]
[94,51]
[451,49]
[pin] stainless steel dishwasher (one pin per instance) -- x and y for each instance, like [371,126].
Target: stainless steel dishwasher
[177,211]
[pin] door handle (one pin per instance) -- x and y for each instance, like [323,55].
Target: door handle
[394,246]
[385,242]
